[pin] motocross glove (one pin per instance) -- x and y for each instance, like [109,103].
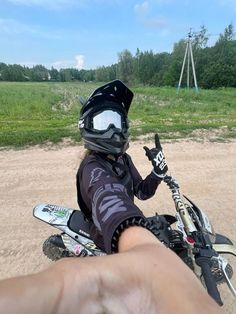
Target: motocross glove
[157,157]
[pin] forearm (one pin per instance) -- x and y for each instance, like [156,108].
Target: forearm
[147,187]
[37,293]
[134,237]
[144,278]
[173,279]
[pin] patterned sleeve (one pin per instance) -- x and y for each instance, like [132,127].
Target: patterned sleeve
[107,198]
[143,189]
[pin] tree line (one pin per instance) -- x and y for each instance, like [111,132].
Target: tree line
[215,66]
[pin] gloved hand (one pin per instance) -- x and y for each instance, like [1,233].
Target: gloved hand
[156,156]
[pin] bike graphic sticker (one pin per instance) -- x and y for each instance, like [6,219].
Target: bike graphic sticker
[56,212]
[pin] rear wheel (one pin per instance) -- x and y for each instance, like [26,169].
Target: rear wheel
[54,248]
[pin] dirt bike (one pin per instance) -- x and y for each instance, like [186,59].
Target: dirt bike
[192,239]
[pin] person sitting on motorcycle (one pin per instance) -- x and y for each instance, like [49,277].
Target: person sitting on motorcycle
[107,179]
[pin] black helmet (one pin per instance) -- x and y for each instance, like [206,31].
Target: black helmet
[103,119]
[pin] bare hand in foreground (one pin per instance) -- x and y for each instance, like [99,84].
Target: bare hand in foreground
[142,278]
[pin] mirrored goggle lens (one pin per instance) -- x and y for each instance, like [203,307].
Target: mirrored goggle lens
[103,120]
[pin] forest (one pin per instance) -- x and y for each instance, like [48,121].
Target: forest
[215,66]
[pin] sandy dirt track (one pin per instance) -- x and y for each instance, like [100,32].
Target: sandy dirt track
[205,171]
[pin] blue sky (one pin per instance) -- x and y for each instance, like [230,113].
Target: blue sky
[90,33]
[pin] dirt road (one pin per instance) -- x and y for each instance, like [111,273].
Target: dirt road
[205,171]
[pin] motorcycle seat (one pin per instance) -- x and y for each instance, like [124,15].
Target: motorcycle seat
[78,223]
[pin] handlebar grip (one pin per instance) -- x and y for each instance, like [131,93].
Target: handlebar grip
[211,285]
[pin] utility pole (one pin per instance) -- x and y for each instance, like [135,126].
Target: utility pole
[189,55]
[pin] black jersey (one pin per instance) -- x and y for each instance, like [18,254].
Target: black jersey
[106,190]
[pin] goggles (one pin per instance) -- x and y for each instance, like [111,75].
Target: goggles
[103,120]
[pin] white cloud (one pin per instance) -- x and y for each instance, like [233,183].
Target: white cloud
[142,9]
[77,63]
[143,12]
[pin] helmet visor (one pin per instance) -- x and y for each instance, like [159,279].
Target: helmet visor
[102,120]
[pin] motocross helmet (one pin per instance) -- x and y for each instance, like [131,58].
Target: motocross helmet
[103,119]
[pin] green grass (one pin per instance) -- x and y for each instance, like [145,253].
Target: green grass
[173,114]
[35,113]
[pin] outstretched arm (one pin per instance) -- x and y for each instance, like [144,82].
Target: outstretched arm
[144,277]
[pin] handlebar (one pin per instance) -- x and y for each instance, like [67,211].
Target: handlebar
[211,286]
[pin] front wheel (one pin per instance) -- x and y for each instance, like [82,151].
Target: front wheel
[54,248]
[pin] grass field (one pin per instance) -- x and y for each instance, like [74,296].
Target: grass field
[35,113]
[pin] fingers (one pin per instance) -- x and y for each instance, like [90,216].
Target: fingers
[148,152]
[157,141]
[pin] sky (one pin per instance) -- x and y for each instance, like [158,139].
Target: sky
[86,34]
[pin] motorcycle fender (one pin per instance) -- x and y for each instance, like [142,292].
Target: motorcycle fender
[52,214]
[221,239]
[225,248]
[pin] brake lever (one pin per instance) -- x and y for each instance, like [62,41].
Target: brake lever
[223,263]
